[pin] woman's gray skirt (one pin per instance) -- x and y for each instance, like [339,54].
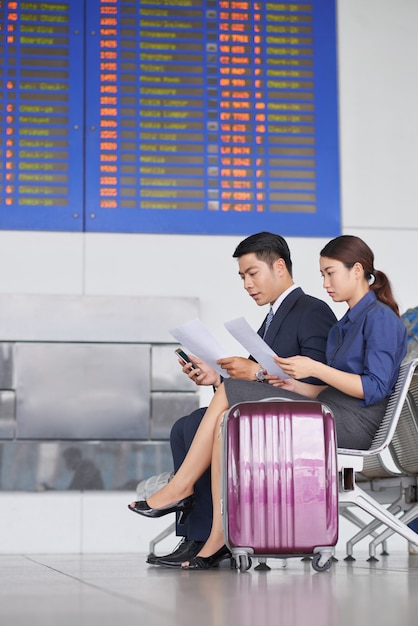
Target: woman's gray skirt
[355,425]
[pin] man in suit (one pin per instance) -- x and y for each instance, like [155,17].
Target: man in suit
[296,324]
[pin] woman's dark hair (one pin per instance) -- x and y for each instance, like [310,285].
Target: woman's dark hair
[350,250]
[267,247]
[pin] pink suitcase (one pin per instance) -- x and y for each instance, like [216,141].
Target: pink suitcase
[280,481]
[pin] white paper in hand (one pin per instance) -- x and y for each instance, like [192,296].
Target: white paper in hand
[197,339]
[257,347]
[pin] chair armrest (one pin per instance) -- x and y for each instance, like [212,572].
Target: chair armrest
[352,452]
[350,461]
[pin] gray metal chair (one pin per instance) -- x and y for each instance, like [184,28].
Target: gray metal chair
[404,449]
[351,462]
[385,484]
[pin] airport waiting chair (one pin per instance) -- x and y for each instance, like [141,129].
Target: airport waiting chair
[385,484]
[404,449]
[394,489]
[353,462]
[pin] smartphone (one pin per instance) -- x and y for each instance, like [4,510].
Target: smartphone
[184,357]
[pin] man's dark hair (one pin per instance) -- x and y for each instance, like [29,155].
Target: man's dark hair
[267,247]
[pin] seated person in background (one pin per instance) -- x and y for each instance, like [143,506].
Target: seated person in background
[364,352]
[86,474]
[298,324]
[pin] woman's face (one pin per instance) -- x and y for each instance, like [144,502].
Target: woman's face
[342,284]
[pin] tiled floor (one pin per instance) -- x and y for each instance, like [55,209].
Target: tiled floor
[120,590]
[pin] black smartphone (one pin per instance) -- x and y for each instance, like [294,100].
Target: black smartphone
[184,357]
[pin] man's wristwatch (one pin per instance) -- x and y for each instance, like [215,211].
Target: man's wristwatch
[260,375]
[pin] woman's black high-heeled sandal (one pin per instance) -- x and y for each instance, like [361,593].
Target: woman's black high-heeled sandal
[208,562]
[184,507]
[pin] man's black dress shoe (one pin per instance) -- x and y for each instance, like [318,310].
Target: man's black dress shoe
[185,551]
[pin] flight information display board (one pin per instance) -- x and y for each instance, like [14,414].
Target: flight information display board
[171,116]
[41,115]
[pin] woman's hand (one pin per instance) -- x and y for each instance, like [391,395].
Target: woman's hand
[290,384]
[303,367]
[297,366]
[283,383]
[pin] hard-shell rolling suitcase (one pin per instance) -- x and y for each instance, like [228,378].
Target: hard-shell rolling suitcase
[280,481]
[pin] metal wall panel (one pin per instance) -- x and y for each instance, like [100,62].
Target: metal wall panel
[166,373]
[6,365]
[7,414]
[166,408]
[82,391]
[89,389]
[92,318]
[45,465]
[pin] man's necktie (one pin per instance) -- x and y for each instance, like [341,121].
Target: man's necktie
[268,321]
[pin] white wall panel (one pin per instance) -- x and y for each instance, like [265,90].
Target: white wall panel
[39,262]
[378,52]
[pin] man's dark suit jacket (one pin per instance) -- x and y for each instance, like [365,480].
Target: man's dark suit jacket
[299,326]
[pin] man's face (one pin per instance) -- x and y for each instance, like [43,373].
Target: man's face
[262,282]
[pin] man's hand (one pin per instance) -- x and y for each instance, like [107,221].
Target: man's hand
[202,373]
[239,367]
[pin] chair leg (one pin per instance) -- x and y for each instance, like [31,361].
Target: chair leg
[370,528]
[360,498]
[163,534]
[351,517]
[354,519]
[406,505]
[410,514]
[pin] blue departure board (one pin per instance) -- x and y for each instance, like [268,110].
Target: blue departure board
[170,116]
[41,115]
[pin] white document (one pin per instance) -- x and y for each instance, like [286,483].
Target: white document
[255,345]
[197,339]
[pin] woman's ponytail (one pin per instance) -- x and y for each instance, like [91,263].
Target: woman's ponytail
[350,250]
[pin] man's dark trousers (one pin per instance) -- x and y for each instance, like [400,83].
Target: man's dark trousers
[198,524]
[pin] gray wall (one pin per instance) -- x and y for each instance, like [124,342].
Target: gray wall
[89,389]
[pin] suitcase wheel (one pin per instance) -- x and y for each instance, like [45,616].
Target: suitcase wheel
[318,563]
[243,562]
